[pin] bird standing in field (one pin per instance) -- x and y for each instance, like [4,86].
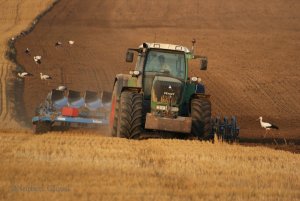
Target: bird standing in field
[58,43]
[24,74]
[269,126]
[61,88]
[27,51]
[37,59]
[45,77]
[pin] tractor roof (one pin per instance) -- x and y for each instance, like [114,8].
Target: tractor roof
[166,46]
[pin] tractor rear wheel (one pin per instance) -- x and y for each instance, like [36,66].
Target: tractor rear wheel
[130,115]
[41,127]
[201,117]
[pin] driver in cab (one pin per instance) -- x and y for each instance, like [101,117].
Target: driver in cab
[162,65]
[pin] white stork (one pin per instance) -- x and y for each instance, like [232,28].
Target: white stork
[61,88]
[45,77]
[37,59]
[268,126]
[24,74]
[58,43]
[71,42]
[27,51]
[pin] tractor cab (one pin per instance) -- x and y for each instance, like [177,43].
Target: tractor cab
[163,69]
[163,65]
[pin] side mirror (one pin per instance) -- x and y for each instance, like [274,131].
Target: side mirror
[129,56]
[203,63]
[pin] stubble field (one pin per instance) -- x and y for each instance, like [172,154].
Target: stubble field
[73,166]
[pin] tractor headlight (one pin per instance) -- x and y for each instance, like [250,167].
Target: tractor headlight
[174,109]
[194,79]
[134,73]
[161,107]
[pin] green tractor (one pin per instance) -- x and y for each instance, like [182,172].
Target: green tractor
[159,97]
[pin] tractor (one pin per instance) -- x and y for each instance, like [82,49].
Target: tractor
[158,96]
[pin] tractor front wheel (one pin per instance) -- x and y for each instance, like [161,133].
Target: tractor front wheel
[130,115]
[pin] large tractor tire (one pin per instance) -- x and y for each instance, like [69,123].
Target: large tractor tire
[201,117]
[41,127]
[130,115]
[113,118]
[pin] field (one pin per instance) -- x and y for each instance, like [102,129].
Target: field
[253,62]
[87,166]
[253,70]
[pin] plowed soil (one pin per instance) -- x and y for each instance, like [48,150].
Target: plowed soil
[252,46]
[15,16]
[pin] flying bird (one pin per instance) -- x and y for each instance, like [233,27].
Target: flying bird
[45,77]
[24,74]
[71,42]
[61,88]
[37,59]
[58,43]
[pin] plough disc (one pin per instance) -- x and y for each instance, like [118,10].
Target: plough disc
[226,130]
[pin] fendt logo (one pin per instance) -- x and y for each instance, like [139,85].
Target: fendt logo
[169,94]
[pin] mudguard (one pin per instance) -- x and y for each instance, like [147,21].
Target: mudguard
[125,81]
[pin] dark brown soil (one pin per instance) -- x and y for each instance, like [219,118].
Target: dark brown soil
[252,46]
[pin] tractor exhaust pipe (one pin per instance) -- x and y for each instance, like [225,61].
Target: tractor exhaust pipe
[193,45]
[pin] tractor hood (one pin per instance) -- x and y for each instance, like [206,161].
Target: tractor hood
[166,90]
